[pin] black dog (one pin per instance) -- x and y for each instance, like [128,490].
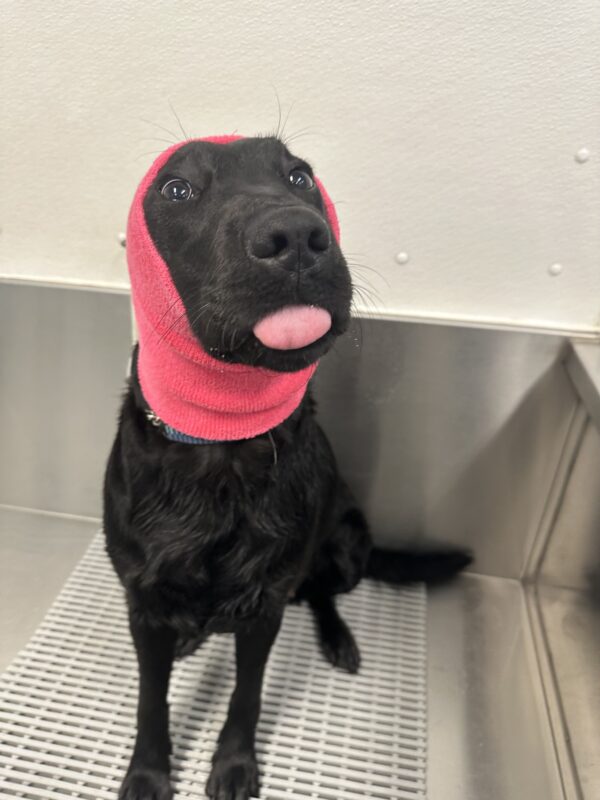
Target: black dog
[218,538]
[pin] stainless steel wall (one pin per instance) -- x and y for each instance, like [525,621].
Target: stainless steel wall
[449,433]
[568,605]
[573,554]
[63,357]
[445,433]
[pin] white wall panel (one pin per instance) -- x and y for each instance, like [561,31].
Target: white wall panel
[449,130]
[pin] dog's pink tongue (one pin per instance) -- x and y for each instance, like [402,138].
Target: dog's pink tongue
[293,327]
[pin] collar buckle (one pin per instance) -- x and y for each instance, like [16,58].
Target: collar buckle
[153,419]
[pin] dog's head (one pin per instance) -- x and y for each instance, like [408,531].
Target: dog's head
[248,237]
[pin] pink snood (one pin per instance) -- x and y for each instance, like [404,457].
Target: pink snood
[186,387]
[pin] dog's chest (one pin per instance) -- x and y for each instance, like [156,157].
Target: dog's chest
[214,555]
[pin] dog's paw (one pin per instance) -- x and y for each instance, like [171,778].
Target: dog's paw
[341,650]
[146,784]
[233,777]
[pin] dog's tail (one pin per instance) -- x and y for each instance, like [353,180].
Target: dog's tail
[409,566]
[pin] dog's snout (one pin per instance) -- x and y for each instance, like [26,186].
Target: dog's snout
[293,240]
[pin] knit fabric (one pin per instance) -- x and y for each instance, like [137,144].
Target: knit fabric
[187,388]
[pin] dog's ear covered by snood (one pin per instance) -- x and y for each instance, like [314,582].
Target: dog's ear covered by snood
[185,387]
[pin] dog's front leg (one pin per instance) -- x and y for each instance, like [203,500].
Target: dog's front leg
[234,774]
[148,774]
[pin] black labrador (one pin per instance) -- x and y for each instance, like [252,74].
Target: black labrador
[218,538]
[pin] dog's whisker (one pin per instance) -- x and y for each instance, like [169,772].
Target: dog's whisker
[301,133]
[198,313]
[294,140]
[365,312]
[369,289]
[362,265]
[178,120]
[363,284]
[192,318]
[277,131]
[156,139]
[170,308]
[161,127]
[209,322]
[287,116]
[356,267]
[229,325]
[366,297]
[303,129]
[197,316]
[168,330]
[148,153]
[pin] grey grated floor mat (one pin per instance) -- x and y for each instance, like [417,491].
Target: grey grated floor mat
[67,703]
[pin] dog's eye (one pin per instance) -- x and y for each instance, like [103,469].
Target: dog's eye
[300,179]
[177,190]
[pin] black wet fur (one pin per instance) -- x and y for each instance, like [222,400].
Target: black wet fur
[219,538]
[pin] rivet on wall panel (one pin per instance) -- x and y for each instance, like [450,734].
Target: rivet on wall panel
[555,269]
[121,239]
[582,155]
[402,258]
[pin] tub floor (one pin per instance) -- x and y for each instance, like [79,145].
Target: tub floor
[488,731]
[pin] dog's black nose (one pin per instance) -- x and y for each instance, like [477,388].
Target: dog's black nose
[292,239]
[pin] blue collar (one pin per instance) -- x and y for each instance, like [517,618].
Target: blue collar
[173,435]
[177,436]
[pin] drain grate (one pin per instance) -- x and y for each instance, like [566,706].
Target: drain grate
[67,703]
